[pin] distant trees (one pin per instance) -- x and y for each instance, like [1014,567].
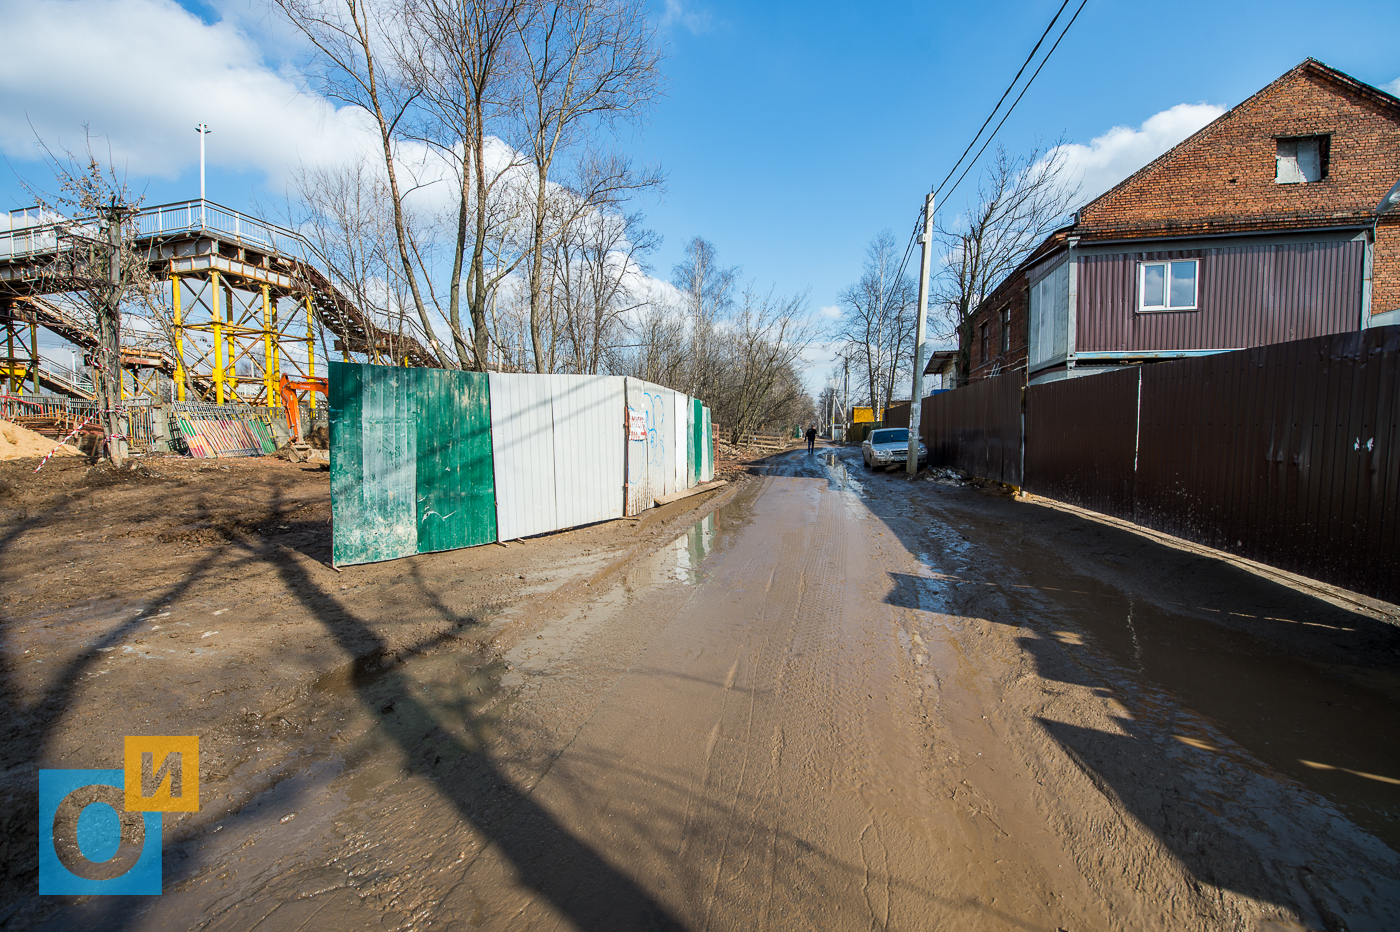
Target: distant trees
[735,346]
[877,323]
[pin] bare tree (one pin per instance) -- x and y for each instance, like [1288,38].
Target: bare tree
[707,288]
[1020,201]
[878,318]
[98,260]
[588,64]
[760,347]
[465,67]
[354,39]
[593,273]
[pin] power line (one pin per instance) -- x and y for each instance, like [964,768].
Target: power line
[919,221]
[1017,100]
[1004,94]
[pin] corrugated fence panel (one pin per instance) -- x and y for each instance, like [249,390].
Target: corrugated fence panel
[522,432]
[589,414]
[657,406]
[456,504]
[373,455]
[707,439]
[697,441]
[681,423]
[1286,454]
[1080,441]
[639,492]
[977,428]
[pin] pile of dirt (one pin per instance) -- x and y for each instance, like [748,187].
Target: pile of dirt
[17,442]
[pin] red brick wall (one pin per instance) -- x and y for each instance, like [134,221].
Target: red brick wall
[1385,266]
[1012,293]
[1222,178]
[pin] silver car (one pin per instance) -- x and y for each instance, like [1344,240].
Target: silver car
[889,446]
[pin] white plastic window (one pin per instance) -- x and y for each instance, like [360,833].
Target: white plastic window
[1167,286]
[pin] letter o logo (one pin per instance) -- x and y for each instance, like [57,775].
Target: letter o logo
[65,833]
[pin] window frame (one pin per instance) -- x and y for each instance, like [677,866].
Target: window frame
[982,341]
[1324,156]
[1006,329]
[1168,307]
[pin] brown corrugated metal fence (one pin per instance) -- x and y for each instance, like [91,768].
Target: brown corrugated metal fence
[1288,454]
[1080,441]
[976,429]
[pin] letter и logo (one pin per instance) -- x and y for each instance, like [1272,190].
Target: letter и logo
[162,773]
[100,830]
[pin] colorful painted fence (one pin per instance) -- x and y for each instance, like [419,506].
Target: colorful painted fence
[428,459]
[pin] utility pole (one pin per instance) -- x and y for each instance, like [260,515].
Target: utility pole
[916,403]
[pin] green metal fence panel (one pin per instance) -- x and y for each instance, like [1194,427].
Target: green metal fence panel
[373,474]
[697,442]
[708,469]
[456,490]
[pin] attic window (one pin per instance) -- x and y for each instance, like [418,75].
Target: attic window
[1302,159]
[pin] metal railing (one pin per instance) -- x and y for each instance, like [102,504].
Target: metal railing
[163,221]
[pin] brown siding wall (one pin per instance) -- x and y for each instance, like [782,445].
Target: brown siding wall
[1248,296]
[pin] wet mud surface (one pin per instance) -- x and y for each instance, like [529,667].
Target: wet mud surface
[838,699]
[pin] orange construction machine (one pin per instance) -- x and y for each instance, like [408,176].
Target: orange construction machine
[291,403]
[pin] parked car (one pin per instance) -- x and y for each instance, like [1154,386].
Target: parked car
[889,446]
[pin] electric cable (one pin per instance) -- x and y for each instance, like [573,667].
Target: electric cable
[1017,100]
[919,222]
[1009,88]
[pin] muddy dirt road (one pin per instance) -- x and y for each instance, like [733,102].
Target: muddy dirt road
[842,700]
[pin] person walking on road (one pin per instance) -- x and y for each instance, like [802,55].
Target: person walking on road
[812,438]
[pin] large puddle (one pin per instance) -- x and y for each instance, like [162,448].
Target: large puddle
[1315,722]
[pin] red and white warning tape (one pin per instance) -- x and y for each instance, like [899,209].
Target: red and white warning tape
[62,442]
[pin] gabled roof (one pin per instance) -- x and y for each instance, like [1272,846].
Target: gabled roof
[1240,210]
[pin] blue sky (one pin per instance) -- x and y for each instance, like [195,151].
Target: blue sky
[791,133]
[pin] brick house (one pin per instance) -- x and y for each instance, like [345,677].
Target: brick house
[1278,221]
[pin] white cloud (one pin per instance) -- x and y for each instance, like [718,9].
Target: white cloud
[141,73]
[677,15]
[1115,155]
[830,312]
[1392,88]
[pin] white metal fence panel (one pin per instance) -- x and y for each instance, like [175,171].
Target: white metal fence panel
[522,442]
[639,490]
[589,413]
[651,470]
[680,423]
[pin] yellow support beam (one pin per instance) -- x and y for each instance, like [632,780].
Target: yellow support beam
[269,390]
[310,350]
[34,351]
[218,338]
[175,298]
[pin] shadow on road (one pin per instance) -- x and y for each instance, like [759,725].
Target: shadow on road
[563,870]
[1241,690]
